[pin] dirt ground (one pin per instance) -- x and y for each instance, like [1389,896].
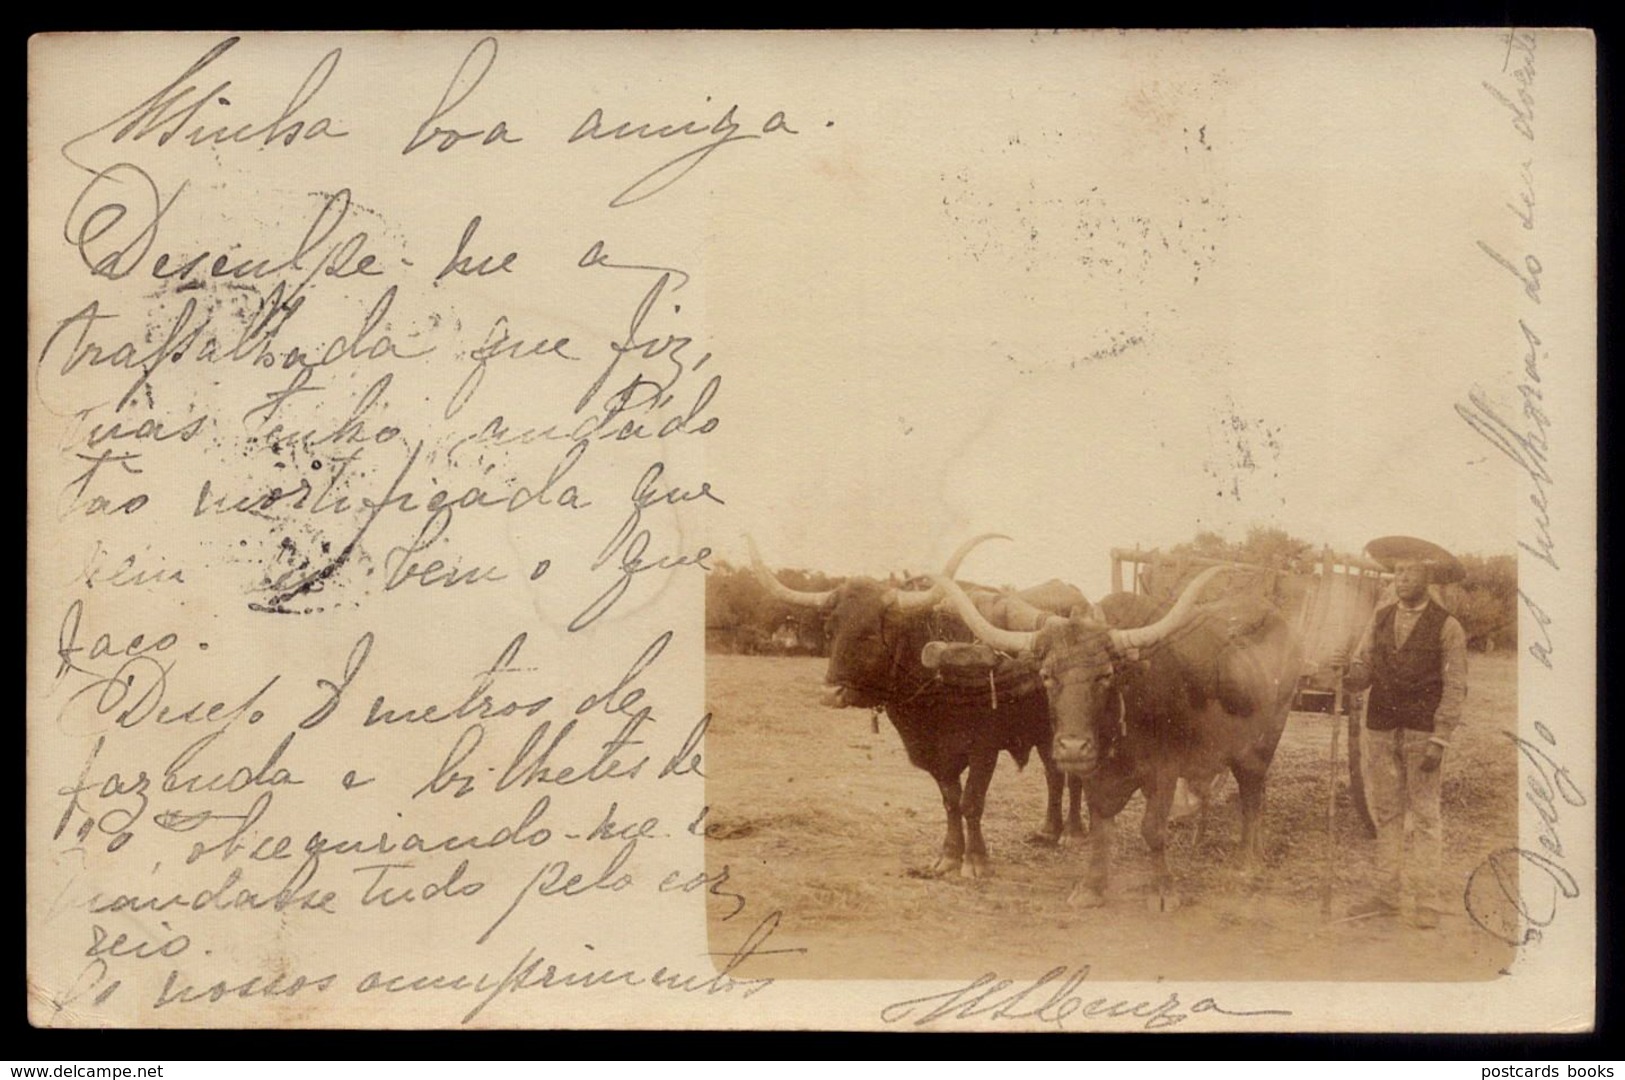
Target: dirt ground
[820,818]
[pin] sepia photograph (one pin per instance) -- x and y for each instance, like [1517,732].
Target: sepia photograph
[1227,752]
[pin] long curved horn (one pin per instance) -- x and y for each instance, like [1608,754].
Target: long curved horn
[918,601]
[1142,636]
[965,549]
[1010,641]
[778,588]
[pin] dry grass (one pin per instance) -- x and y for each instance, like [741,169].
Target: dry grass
[821,818]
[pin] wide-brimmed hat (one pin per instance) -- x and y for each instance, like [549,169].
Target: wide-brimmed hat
[1443,567]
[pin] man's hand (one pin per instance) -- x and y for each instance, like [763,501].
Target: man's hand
[1431,759]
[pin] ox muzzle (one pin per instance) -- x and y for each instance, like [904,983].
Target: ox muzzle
[1074,756]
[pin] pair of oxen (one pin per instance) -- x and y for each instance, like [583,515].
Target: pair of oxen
[1115,697]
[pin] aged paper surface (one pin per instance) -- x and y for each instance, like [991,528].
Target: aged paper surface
[394,399]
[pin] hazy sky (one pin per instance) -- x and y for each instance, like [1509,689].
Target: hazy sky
[1126,306]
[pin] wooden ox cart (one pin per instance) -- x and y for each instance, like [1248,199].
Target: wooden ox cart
[1328,601]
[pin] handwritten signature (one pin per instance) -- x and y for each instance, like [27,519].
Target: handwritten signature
[1055,997]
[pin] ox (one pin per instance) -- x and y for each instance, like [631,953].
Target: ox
[1139,707]
[876,635]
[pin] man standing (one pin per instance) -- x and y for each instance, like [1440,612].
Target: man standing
[1413,656]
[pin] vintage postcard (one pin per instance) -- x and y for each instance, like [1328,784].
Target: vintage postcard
[986,531]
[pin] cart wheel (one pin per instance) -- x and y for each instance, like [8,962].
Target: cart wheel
[1357,779]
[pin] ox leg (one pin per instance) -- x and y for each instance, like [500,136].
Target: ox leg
[1204,808]
[975,799]
[1107,797]
[1091,891]
[1251,856]
[1054,787]
[1159,800]
[953,842]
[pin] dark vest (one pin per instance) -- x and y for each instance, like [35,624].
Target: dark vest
[1406,683]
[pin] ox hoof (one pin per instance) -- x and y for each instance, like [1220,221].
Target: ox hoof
[1086,896]
[1044,838]
[976,866]
[1075,834]
[1162,902]
[947,866]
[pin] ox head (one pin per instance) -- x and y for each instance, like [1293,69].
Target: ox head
[1080,660]
[861,622]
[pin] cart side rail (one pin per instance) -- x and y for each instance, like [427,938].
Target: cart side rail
[1328,600]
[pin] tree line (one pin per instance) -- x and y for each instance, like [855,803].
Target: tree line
[742,616]
[1485,601]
